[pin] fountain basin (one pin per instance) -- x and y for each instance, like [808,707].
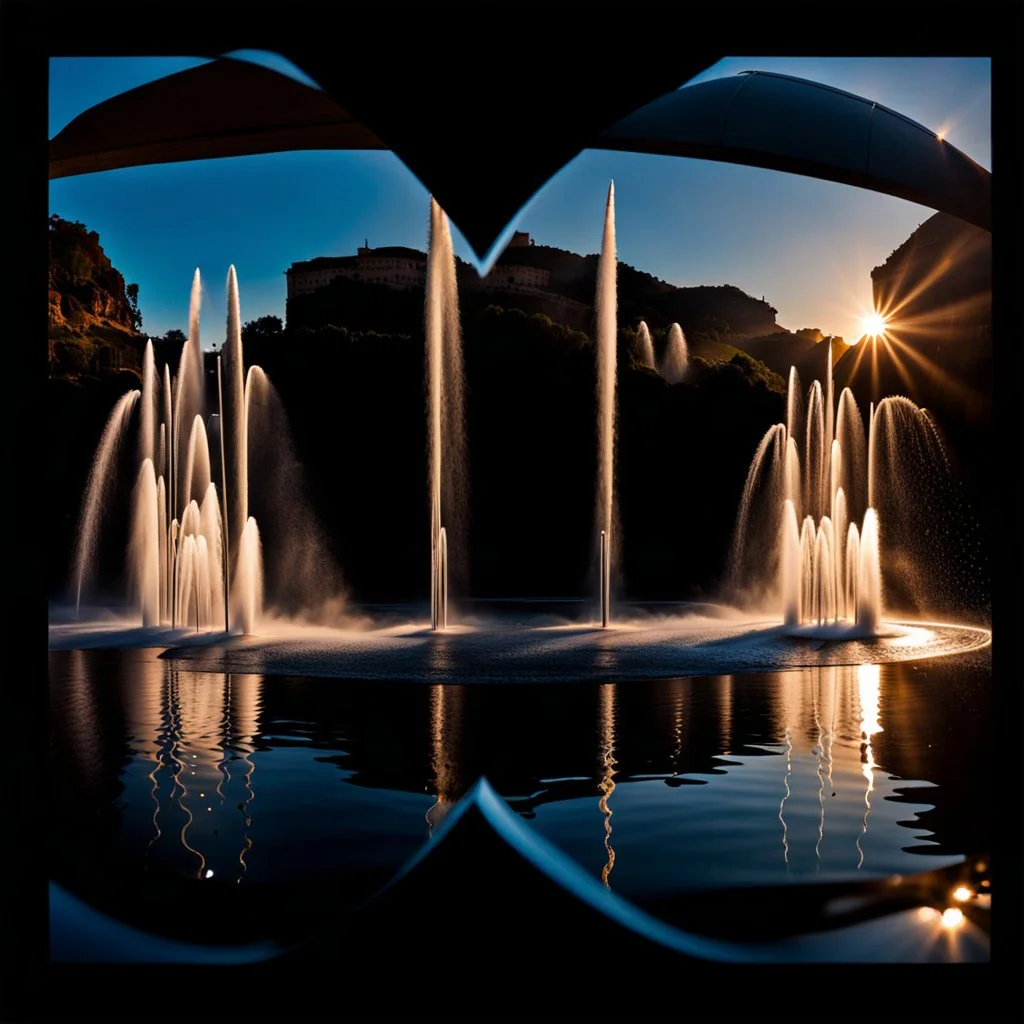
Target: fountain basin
[534,647]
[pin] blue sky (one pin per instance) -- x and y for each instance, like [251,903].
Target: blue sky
[807,246]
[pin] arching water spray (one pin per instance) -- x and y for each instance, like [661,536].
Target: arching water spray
[102,481]
[197,475]
[247,591]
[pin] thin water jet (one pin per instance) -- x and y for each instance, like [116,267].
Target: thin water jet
[445,423]
[226,556]
[605,310]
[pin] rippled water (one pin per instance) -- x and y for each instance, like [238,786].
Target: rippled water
[270,797]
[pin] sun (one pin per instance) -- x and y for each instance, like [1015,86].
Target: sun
[874,324]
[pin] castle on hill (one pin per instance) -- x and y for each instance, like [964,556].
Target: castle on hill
[397,266]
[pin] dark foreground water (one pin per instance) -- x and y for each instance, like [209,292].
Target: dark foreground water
[226,807]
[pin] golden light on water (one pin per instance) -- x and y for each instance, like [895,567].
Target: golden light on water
[962,893]
[952,917]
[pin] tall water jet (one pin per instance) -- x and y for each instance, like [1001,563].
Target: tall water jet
[676,359]
[644,346]
[211,529]
[147,425]
[606,331]
[445,428]
[247,588]
[454,468]
[435,356]
[852,569]
[852,444]
[815,457]
[839,523]
[233,418]
[198,473]
[830,407]
[161,505]
[167,418]
[791,582]
[794,406]
[226,551]
[808,537]
[102,481]
[189,400]
[793,488]
[144,547]
[869,580]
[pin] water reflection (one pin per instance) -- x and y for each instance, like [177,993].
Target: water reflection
[607,783]
[868,688]
[760,778]
[445,729]
[191,739]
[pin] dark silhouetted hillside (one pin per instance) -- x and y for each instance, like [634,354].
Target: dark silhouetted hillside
[936,289]
[716,312]
[805,349]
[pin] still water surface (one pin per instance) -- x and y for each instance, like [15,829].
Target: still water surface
[302,796]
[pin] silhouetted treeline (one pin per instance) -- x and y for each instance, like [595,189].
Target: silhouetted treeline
[725,309]
[356,407]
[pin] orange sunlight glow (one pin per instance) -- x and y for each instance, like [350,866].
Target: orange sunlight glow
[874,324]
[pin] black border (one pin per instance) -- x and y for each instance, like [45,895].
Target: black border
[30,32]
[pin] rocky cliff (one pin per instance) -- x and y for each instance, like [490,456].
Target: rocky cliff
[93,315]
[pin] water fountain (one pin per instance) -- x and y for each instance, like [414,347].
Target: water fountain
[676,358]
[822,496]
[810,527]
[179,564]
[644,346]
[445,429]
[605,312]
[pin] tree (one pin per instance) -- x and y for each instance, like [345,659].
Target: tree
[175,337]
[261,328]
[134,315]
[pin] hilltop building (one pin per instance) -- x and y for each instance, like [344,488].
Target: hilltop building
[399,267]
